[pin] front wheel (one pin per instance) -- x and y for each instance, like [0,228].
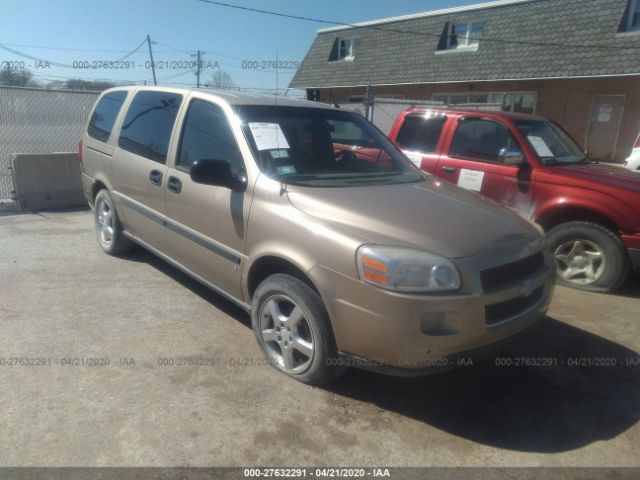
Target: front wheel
[292,328]
[588,256]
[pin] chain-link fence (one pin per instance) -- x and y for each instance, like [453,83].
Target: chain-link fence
[38,121]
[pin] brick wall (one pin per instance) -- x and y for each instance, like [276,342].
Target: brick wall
[567,102]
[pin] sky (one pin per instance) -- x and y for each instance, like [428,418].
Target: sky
[82,33]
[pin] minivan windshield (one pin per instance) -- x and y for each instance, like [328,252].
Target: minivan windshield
[551,143]
[322,148]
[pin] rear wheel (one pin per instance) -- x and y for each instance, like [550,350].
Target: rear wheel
[292,328]
[588,256]
[108,226]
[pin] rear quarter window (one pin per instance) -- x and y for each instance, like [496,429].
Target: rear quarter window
[421,132]
[147,127]
[105,114]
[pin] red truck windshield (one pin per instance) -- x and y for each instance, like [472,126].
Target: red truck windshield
[552,145]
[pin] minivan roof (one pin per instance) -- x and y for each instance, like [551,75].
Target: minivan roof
[231,97]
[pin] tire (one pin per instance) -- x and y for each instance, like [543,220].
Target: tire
[292,328]
[588,256]
[108,226]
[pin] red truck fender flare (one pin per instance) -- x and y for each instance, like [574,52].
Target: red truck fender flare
[572,207]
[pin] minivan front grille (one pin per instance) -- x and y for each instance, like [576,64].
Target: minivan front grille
[502,276]
[499,312]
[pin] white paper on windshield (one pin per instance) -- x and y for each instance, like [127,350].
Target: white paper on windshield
[268,136]
[541,147]
[471,179]
[415,157]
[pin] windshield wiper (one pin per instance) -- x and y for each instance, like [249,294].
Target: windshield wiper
[554,162]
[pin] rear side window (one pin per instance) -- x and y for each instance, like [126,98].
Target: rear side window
[481,139]
[146,129]
[207,134]
[421,133]
[104,115]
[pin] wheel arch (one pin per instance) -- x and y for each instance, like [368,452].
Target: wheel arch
[271,264]
[562,212]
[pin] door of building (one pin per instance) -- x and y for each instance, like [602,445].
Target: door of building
[604,123]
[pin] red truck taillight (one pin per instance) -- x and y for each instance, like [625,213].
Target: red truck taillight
[80,153]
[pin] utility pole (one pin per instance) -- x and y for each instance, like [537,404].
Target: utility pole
[198,71]
[153,65]
[369,102]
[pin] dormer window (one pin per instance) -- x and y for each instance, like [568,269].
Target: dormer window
[344,49]
[633,17]
[348,48]
[464,35]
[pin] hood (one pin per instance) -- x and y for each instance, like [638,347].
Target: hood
[600,173]
[433,215]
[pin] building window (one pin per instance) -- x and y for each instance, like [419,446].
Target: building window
[464,35]
[634,15]
[520,102]
[344,49]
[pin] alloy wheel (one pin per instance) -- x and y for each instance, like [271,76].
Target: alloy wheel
[580,262]
[105,219]
[286,333]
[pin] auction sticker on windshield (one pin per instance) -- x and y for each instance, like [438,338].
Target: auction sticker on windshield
[540,145]
[268,136]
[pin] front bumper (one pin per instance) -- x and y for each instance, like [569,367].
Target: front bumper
[415,332]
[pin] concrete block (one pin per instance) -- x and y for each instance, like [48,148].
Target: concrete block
[47,181]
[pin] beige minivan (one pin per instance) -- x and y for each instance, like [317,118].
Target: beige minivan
[309,218]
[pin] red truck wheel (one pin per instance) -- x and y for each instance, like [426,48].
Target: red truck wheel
[588,256]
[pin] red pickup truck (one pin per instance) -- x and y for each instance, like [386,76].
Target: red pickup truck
[590,211]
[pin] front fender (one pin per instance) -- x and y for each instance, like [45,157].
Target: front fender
[615,211]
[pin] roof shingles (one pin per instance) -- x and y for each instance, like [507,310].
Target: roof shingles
[563,38]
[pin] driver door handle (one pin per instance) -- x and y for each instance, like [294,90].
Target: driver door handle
[449,170]
[174,184]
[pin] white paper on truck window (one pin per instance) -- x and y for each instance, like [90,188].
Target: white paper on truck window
[540,146]
[268,136]
[415,157]
[471,179]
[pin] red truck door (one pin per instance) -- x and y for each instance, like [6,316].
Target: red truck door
[473,159]
[420,138]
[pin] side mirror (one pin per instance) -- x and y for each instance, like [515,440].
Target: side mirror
[209,171]
[511,157]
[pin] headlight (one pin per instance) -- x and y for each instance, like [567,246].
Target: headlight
[406,270]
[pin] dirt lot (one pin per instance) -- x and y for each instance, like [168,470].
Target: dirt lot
[62,299]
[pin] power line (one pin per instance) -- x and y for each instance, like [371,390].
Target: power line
[69,49]
[132,51]
[31,57]
[412,32]
[155,42]
[58,64]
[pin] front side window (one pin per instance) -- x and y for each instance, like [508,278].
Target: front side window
[552,145]
[322,148]
[482,140]
[105,114]
[147,128]
[421,132]
[207,135]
